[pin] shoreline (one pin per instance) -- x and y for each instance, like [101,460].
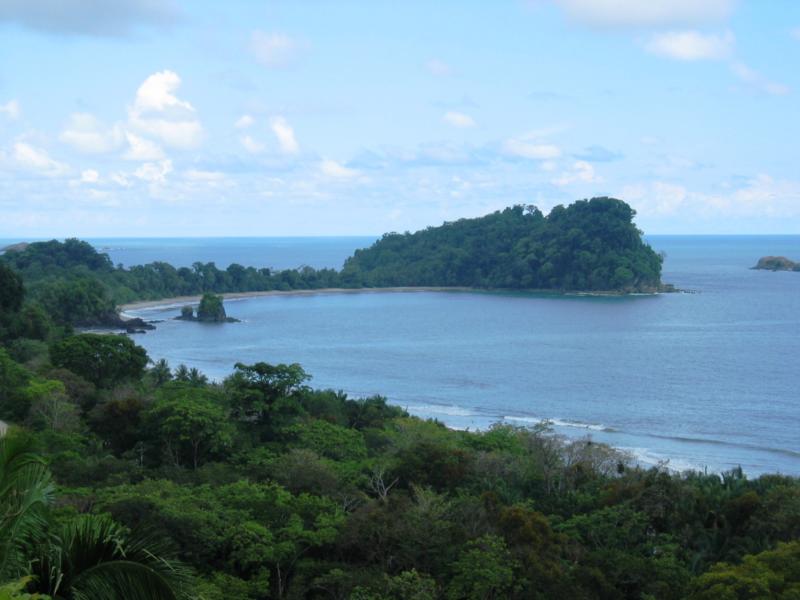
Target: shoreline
[193,299]
[144,304]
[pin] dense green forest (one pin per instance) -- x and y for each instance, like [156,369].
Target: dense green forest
[591,245]
[124,478]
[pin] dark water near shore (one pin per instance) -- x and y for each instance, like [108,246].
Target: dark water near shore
[708,379]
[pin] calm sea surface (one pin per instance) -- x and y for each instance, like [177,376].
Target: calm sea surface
[708,379]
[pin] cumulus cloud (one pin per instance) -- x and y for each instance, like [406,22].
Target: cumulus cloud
[756,81]
[37,160]
[646,13]
[86,133]
[244,122]
[90,176]
[691,45]
[251,145]
[531,149]
[154,172]
[88,17]
[158,112]
[331,168]
[141,149]
[285,135]
[10,109]
[457,119]
[759,197]
[274,50]
[581,172]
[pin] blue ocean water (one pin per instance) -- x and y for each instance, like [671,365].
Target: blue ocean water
[703,380]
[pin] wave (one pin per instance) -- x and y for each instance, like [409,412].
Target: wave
[441,409]
[715,442]
[647,457]
[560,423]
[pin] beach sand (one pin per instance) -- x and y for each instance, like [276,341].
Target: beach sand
[179,300]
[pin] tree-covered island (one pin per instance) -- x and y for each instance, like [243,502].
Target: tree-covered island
[589,246]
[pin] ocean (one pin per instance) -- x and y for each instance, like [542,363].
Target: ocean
[701,380]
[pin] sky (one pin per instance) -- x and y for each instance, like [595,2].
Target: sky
[313,117]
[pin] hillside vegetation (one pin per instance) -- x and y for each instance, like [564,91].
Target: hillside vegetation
[590,245]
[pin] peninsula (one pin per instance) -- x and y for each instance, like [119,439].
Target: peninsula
[591,246]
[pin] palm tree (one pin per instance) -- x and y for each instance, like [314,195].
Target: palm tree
[26,490]
[85,558]
[96,557]
[160,372]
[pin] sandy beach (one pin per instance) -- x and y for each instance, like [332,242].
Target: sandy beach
[178,300]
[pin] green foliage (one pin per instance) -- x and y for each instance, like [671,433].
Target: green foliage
[26,490]
[94,557]
[11,290]
[103,360]
[15,590]
[189,424]
[484,571]
[15,401]
[589,245]
[211,309]
[770,574]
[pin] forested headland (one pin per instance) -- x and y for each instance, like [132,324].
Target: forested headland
[588,246]
[126,478]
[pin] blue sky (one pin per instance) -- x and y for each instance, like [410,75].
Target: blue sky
[158,118]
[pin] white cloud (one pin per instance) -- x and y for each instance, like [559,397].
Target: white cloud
[760,196]
[120,179]
[285,134]
[274,49]
[457,119]
[157,93]
[757,81]
[157,111]
[533,150]
[141,149]
[657,198]
[438,68]
[691,45]
[10,109]
[90,176]
[581,172]
[87,134]
[331,168]
[155,173]
[646,13]
[244,122]
[37,160]
[251,145]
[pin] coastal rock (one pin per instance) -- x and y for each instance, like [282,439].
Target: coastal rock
[777,263]
[210,310]
[18,247]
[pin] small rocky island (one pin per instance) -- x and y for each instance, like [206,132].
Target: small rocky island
[777,263]
[210,310]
